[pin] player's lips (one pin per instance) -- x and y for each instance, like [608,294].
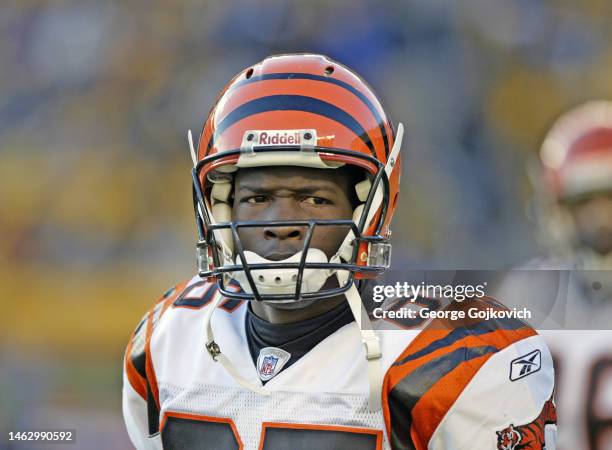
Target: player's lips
[278,256]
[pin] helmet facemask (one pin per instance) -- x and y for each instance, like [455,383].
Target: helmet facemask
[364,253]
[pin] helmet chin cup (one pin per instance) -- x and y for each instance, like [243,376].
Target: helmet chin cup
[282,280]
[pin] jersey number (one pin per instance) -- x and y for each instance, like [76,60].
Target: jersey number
[189,431]
[598,423]
[599,383]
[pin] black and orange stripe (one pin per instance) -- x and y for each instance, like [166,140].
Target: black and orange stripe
[372,104]
[428,377]
[292,103]
[343,98]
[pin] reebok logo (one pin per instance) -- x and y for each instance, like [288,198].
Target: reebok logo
[525,365]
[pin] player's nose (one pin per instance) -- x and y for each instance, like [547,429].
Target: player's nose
[284,209]
[291,233]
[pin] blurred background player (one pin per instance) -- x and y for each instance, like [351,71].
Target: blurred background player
[575,218]
[573,277]
[574,210]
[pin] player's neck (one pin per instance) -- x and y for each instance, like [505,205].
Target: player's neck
[281,314]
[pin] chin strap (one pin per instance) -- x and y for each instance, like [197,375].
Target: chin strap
[371,342]
[215,352]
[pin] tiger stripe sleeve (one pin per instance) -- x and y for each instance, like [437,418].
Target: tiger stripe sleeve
[139,385]
[455,382]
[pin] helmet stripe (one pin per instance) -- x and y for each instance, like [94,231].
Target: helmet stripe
[310,76]
[292,103]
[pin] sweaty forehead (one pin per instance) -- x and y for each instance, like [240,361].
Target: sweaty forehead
[291,178]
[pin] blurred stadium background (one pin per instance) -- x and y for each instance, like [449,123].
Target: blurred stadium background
[95,197]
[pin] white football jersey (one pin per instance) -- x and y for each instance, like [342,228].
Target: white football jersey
[583,359]
[577,331]
[477,385]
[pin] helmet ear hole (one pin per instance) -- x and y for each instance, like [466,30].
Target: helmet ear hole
[329,70]
[249,73]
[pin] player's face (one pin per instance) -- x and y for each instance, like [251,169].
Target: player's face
[291,193]
[593,220]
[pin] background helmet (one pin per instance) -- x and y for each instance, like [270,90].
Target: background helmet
[295,110]
[576,162]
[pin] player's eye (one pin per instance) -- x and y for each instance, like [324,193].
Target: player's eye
[316,201]
[256,199]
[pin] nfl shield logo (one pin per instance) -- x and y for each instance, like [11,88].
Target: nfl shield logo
[268,365]
[270,362]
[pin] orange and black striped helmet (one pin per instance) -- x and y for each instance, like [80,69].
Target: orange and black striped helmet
[300,110]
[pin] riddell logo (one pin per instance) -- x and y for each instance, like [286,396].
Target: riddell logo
[279,138]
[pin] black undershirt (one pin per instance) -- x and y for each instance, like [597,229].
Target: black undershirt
[297,338]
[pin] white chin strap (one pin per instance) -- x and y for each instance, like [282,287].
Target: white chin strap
[283,281]
[371,342]
[215,352]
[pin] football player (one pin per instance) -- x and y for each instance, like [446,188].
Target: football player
[576,216]
[574,275]
[295,181]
